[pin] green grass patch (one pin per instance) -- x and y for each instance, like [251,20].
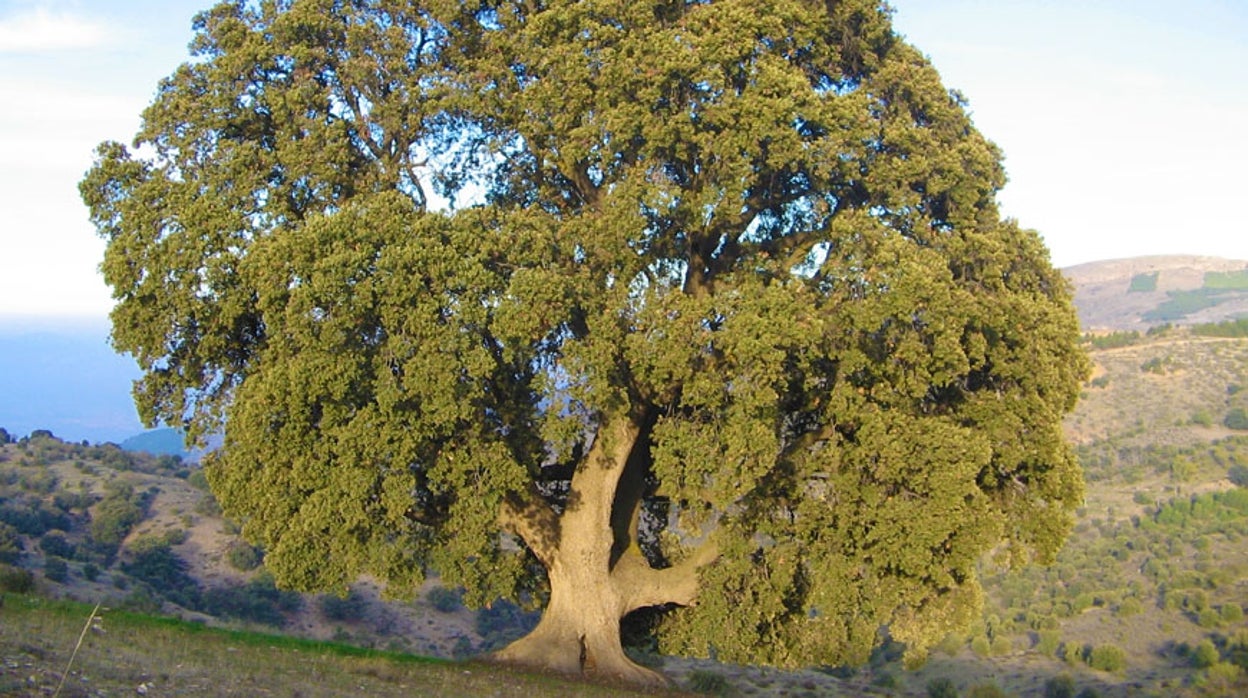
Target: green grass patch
[122,651]
[1227,280]
[1144,283]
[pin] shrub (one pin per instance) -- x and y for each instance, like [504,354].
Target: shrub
[503,622]
[987,690]
[1209,618]
[444,600]
[156,564]
[54,543]
[90,572]
[1050,641]
[1205,655]
[1232,613]
[1236,418]
[981,646]
[942,688]
[257,601]
[1130,606]
[1060,687]
[709,683]
[1238,475]
[344,609]
[1109,658]
[244,557]
[16,580]
[10,544]
[55,570]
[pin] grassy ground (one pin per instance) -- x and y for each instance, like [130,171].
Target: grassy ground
[128,654]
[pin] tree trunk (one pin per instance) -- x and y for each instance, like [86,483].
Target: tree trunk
[579,633]
[592,586]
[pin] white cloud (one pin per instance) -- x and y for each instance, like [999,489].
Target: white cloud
[41,30]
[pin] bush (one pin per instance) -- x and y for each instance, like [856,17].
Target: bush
[1050,641]
[16,580]
[54,543]
[1232,613]
[708,682]
[10,545]
[90,572]
[344,609]
[156,564]
[1205,655]
[55,570]
[981,646]
[987,690]
[502,622]
[1238,475]
[1060,687]
[257,601]
[244,557]
[1236,418]
[1109,658]
[942,688]
[444,600]
[1130,606]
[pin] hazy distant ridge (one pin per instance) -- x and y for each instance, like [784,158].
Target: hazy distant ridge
[1140,292]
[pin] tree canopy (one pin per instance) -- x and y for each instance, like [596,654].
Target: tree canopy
[604,305]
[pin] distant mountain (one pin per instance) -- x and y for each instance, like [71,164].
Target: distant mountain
[158,442]
[63,376]
[1142,292]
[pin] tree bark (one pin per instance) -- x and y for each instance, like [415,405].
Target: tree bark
[591,587]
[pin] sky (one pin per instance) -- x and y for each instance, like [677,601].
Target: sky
[1123,123]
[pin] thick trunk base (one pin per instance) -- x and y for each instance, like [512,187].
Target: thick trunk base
[569,646]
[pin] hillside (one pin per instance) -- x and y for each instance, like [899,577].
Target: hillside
[1137,293]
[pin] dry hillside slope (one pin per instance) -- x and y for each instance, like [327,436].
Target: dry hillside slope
[1135,293]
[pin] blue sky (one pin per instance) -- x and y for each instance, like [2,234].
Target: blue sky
[1123,122]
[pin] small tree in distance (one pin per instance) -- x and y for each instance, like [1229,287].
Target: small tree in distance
[601,306]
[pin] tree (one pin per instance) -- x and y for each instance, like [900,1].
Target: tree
[599,306]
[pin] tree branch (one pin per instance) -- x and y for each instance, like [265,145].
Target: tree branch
[639,585]
[534,522]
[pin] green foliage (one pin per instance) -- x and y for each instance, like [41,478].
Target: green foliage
[54,543]
[121,509]
[1143,283]
[1111,340]
[344,609]
[257,601]
[942,687]
[1236,418]
[502,622]
[1234,280]
[1205,654]
[55,569]
[987,690]
[1109,658]
[749,263]
[11,546]
[1180,304]
[16,580]
[1229,328]
[709,683]
[1159,365]
[444,600]
[1060,687]
[1238,475]
[155,563]
[243,557]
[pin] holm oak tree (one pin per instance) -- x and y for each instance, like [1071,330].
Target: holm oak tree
[703,307]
